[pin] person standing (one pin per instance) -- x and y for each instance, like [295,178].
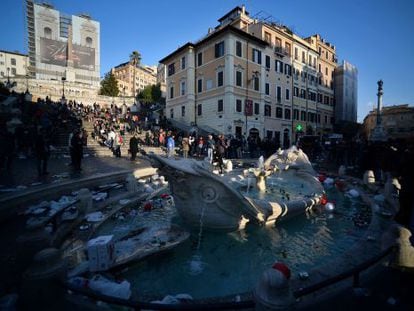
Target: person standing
[210,148]
[133,147]
[77,149]
[170,146]
[42,152]
[186,147]
[117,145]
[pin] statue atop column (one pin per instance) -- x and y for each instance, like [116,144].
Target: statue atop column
[378,132]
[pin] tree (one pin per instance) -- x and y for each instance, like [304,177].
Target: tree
[135,58]
[150,94]
[145,95]
[109,85]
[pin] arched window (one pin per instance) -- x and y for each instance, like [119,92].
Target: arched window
[47,32]
[89,41]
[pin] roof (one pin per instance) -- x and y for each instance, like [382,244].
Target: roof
[15,53]
[237,8]
[228,28]
[139,67]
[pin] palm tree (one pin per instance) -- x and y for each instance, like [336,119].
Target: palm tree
[135,59]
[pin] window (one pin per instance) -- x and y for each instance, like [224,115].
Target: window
[256,108]
[219,49]
[287,48]
[326,119]
[183,111]
[288,69]
[199,110]
[172,113]
[239,78]
[279,66]
[182,88]
[287,114]
[279,112]
[238,49]
[257,56]
[267,61]
[47,32]
[199,85]
[220,105]
[310,60]
[171,92]
[220,79]
[278,42]
[326,70]
[267,111]
[295,114]
[319,118]
[278,93]
[171,69]
[287,93]
[13,61]
[209,84]
[199,59]
[303,115]
[302,93]
[267,89]
[268,37]
[238,105]
[256,83]
[319,98]
[296,54]
[303,57]
[182,62]
[326,100]
[88,41]
[13,71]
[296,91]
[320,68]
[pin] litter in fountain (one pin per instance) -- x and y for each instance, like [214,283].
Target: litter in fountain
[278,188]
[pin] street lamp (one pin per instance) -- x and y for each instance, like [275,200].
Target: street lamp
[27,83]
[63,87]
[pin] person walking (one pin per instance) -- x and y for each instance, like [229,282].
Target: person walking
[133,146]
[186,147]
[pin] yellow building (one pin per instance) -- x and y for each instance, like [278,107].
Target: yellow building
[133,79]
[248,76]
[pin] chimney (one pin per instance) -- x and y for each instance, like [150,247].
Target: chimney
[243,9]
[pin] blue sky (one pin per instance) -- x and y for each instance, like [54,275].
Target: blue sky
[375,35]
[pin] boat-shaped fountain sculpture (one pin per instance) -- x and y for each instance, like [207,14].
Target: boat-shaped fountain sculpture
[282,186]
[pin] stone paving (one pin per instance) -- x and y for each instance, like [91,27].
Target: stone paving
[388,289]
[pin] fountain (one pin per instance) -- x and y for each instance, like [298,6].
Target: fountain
[228,202]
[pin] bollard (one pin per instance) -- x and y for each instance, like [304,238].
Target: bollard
[41,284]
[273,292]
[85,201]
[131,184]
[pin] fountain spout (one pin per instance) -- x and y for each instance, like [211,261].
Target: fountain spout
[261,176]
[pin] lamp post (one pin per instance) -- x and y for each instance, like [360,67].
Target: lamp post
[8,76]
[27,83]
[63,88]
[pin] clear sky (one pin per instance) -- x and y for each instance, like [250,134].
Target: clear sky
[377,36]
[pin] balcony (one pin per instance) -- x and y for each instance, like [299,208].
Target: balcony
[281,51]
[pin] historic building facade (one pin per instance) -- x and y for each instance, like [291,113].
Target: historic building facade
[12,64]
[134,78]
[62,46]
[251,77]
[397,120]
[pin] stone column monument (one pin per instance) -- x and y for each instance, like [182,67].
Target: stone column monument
[378,133]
